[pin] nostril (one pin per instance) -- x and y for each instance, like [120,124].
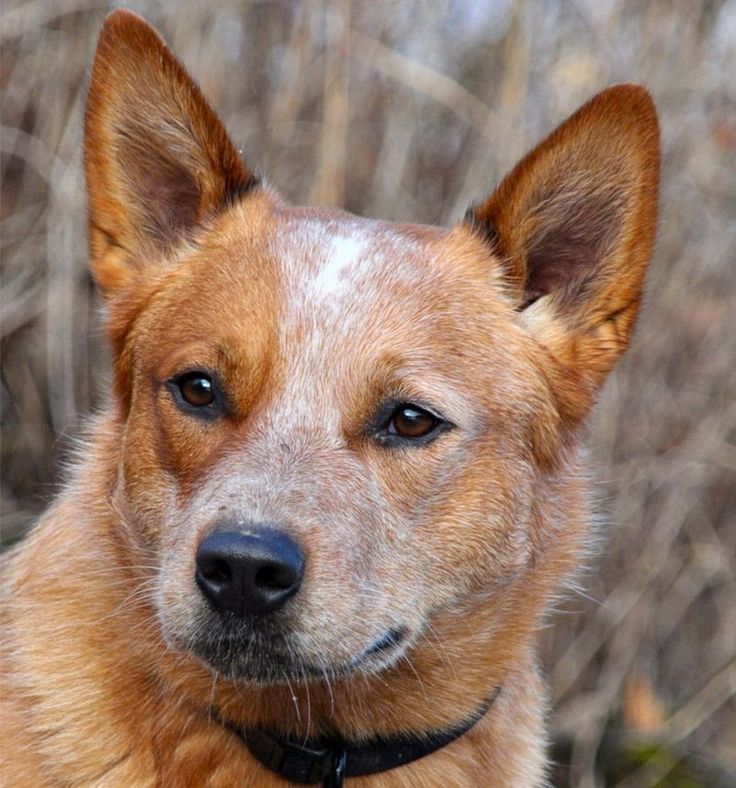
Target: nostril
[274,577]
[216,571]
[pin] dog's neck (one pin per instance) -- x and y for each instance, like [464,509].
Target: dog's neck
[330,760]
[413,703]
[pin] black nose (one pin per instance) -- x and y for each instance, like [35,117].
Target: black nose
[249,573]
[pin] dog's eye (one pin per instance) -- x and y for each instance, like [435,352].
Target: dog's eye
[196,389]
[410,421]
[400,424]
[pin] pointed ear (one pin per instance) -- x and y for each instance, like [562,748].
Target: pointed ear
[157,159]
[573,225]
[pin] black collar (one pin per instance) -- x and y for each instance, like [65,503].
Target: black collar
[329,761]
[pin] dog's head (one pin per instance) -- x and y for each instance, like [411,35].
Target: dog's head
[334,429]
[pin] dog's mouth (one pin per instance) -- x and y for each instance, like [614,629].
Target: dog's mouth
[382,647]
[274,659]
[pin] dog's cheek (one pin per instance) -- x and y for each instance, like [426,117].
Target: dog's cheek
[362,577]
[165,534]
[353,562]
[146,493]
[472,532]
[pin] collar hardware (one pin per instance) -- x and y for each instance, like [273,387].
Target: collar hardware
[329,761]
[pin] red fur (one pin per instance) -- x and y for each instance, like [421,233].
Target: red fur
[507,323]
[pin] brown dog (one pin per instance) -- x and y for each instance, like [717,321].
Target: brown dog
[337,483]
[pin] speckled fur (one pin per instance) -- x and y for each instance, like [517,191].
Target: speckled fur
[506,324]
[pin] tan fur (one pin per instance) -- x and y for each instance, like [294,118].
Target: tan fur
[506,323]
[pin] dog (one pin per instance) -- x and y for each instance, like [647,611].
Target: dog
[312,536]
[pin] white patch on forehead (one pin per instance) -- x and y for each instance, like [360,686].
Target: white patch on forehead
[334,275]
[334,264]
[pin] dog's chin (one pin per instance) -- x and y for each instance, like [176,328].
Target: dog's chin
[261,661]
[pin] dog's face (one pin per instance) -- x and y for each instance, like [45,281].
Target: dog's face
[361,393]
[334,428]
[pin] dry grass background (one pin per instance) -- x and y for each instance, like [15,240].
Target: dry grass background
[410,111]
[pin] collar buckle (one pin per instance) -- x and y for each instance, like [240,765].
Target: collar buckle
[337,769]
[298,763]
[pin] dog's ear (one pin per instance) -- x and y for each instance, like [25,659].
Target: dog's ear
[573,225]
[157,159]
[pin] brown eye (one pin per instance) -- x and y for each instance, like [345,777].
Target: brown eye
[196,389]
[409,421]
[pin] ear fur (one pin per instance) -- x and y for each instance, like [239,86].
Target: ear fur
[157,159]
[573,226]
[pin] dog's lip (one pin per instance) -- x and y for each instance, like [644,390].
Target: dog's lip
[284,662]
[386,642]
